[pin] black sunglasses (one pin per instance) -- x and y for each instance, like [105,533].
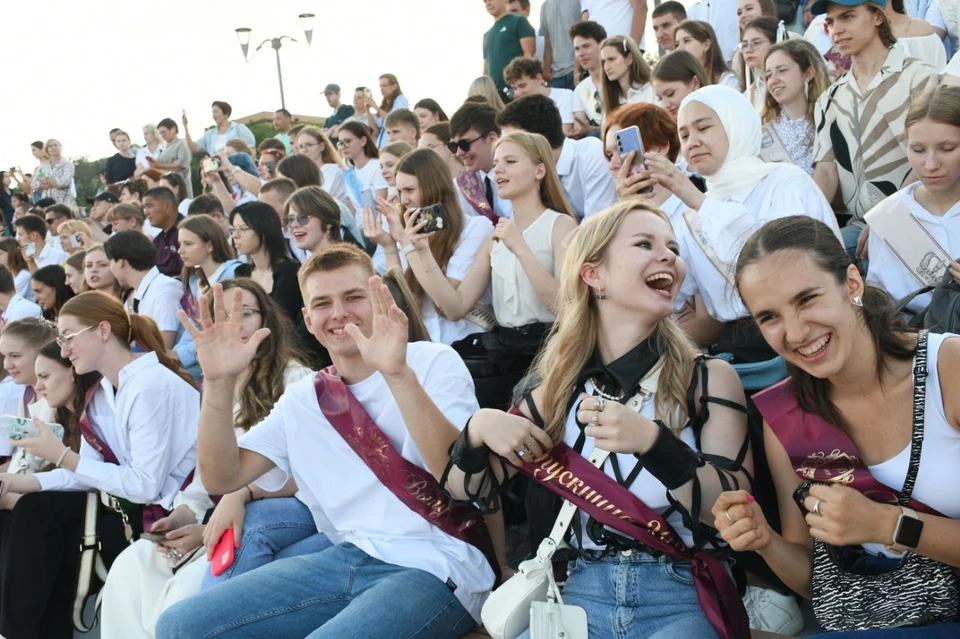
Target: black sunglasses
[463,145]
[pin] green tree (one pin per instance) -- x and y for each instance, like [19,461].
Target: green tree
[87,177]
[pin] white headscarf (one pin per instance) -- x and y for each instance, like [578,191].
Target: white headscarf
[742,169]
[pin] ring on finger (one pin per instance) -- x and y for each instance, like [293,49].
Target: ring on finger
[816,507]
[600,403]
[729,518]
[596,418]
[521,453]
[529,444]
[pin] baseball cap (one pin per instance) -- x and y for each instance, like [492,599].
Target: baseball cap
[106,196]
[820,6]
[331,88]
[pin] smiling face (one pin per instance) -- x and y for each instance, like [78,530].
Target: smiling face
[388,167]
[755,45]
[663,28]
[702,138]
[96,270]
[334,299]
[54,382]
[748,10]
[426,117]
[686,42]
[671,93]
[85,349]
[641,271]
[514,172]
[803,312]
[44,296]
[18,359]
[308,237]
[851,28]
[615,64]
[933,150]
[193,251]
[480,155]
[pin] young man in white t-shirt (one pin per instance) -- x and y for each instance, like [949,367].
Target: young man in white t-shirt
[618,17]
[587,105]
[392,572]
[525,77]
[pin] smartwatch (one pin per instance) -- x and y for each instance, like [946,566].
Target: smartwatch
[906,535]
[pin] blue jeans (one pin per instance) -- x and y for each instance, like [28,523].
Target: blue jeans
[339,593]
[273,529]
[636,596]
[850,234]
[563,81]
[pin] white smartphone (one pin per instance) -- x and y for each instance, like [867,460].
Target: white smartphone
[368,198]
[75,240]
[30,250]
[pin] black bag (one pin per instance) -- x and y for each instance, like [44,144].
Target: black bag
[943,313]
[919,591]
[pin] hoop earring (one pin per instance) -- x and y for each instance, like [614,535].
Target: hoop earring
[600,294]
[857,301]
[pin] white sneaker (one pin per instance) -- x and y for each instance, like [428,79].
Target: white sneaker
[770,611]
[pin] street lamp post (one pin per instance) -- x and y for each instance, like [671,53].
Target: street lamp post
[243,36]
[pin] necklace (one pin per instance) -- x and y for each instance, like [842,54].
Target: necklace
[599,392]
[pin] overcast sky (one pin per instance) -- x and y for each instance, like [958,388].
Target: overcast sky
[74,70]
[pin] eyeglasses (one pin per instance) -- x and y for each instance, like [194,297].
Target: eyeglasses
[752,45]
[300,219]
[463,145]
[303,146]
[344,142]
[64,341]
[239,229]
[245,313]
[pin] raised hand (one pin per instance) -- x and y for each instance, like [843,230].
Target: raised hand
[386,348]
[413,225]
[373,228]
[631,184]
[220,350]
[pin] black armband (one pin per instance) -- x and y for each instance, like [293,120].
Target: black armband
[470,460]
[670,459]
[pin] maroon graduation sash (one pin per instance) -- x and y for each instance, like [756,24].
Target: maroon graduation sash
[819,451]
[567,474]
[150,513]
[415,487]
[473,191]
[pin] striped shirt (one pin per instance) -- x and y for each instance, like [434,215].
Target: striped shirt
[864,134]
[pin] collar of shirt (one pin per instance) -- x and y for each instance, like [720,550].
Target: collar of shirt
[893,64]
[909,194]
[151,275]
[139,363]
[626,371]
[565,161]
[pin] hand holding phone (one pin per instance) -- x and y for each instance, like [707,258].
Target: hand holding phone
[368,198]
[153,537]
[223,553]
[211,164]
[628,140]
[435,217]
[30,250]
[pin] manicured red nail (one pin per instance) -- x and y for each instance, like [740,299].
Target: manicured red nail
[750,497]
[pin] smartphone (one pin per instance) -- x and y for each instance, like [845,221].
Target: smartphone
[75,240]
[629,140]
[368,198]
[211,165]
[154,537]
[368,93]
[30,250]
[436,217]
[222,553]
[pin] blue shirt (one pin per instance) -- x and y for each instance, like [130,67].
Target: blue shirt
[236,130]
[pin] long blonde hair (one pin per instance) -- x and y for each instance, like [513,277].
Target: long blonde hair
[574,336]
[536,147]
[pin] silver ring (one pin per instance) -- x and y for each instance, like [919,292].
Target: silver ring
[816,507]
[521,453]
[600,403]
[529,445]
[729,518]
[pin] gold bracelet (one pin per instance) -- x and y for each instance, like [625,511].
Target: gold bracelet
[66,450]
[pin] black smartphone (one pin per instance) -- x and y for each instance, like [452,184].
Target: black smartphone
[154,537]
[436,217]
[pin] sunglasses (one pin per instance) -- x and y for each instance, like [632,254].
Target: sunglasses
[463,145]
[301,219]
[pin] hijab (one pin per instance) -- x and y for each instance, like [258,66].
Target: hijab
[742,168]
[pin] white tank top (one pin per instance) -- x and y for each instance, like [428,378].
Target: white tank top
[515,300]
[939,472]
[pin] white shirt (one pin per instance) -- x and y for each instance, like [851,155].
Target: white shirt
[502,208]
[150,424]
[341,490]
[787,190]
[722,16]
[144,152]
[640,93]
[586,99]
[22,283]
[50,255]
[928,48]
[886,271]
[19,307]
[370,176]
[446,331]
[585,177]
[159,299]
[333,182]
[615,16]
[730,79]
[563,98]
[953,67]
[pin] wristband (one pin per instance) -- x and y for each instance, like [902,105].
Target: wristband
[470,460]
[670,459]
[66,450]
[408,249]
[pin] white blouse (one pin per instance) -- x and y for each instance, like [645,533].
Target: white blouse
[928,48]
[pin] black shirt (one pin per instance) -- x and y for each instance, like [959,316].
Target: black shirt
[120,168]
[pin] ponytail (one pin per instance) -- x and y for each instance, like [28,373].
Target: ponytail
[144,331]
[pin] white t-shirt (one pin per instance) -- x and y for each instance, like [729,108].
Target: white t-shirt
[159,299]
[22,283]
[615,16]
[446,331]
[341,490]
[333,182]
[953,67]
[586,98]
[563,98]
[722,16]
[19,307]
[144,152]
[585,178]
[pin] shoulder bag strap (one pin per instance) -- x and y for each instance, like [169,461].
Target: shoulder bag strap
[91,562]
[691,218]
[919,406]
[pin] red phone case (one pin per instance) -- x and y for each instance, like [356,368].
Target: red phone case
[222,553]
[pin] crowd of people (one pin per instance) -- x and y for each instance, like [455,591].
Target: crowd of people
[689,313]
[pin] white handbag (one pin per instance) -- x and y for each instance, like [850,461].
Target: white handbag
[531,598]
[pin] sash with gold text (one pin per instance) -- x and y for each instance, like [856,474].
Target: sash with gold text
[415,487]
[569,475]
[472,189]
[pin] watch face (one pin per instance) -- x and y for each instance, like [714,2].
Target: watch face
[908,532]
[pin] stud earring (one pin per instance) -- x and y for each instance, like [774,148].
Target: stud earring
[857,301]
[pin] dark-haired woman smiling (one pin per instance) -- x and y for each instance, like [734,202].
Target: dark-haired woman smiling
[257,233]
